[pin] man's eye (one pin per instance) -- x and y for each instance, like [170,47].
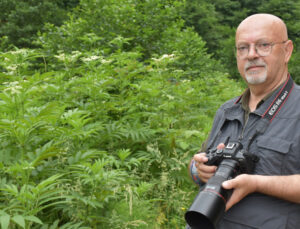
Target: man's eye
[242,48]
[264,45]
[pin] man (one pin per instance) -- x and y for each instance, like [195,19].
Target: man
[270,197]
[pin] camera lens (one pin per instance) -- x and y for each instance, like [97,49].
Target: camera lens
[200,216]
[205,223]
[209,205]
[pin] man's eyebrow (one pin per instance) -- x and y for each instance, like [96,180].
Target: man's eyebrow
[263,40]
[258,41]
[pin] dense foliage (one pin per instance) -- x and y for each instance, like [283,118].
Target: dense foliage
[20,20]
[216,21]
[101,111]
[103,142]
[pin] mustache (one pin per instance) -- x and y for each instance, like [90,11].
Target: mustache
[254,63]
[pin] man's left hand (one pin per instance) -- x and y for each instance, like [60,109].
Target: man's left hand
[242,185]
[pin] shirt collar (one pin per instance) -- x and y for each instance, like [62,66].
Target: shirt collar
[244,101]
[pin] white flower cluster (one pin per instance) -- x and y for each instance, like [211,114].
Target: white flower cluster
[11,69]
[170,97]
[165,57]
[92,58]
[61,56]
[13,87]
[76,54]
[20,51]
[70,58]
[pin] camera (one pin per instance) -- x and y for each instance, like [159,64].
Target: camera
[208,207]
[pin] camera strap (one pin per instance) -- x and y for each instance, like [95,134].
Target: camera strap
[273,109]
[279,100]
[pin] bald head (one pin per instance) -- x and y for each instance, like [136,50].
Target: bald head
[264,38]
[268,22]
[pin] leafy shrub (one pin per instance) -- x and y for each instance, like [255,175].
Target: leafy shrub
[97,128]
[114,126]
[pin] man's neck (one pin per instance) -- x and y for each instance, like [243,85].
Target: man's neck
[258,92]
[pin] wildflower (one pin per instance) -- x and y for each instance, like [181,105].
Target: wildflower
[170,97]
[61,56]
[20,51]
[12,67]
[165,57]
[76,53]
[14,89]
[74,56]
[12,84]
[103,61]
[91,58]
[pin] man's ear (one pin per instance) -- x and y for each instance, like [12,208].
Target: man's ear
[288,50]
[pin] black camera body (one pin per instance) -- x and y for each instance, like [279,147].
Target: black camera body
[209,205]
[233,151]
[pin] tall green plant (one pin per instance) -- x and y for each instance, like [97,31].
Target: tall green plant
[104,124]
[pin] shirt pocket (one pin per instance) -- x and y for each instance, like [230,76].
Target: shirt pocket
[272,153]
[256,211]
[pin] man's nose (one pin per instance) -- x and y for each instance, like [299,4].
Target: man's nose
[252,52]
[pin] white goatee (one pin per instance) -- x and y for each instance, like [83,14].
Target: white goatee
[255,76]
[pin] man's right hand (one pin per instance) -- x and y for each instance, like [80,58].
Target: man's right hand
[205,171]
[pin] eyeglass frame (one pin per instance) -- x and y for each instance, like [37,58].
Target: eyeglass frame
[255,47]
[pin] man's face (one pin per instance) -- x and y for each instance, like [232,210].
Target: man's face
[256,69]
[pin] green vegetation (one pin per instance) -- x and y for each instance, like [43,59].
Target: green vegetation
[102,108]
[216,21]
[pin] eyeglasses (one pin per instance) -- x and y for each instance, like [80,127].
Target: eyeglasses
[261,48]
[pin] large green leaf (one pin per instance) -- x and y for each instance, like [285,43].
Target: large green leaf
[33,219]
[4,220]
[18,219]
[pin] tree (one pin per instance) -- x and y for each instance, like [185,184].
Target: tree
[289,12]
[217,20]
[20,20]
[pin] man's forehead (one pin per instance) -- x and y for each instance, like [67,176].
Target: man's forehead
[256,35]
[261,19]
[257,32]
[254,26]
[261,26]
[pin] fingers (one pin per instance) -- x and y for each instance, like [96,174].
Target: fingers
[234,198]
[200,158]
[204,171]
[204,175]
[242,185]
[221,146]
[230,203]
[229,184]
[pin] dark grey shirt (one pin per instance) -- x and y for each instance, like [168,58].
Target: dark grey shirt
[279,152]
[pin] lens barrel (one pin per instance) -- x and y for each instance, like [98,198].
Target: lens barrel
[209,205]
